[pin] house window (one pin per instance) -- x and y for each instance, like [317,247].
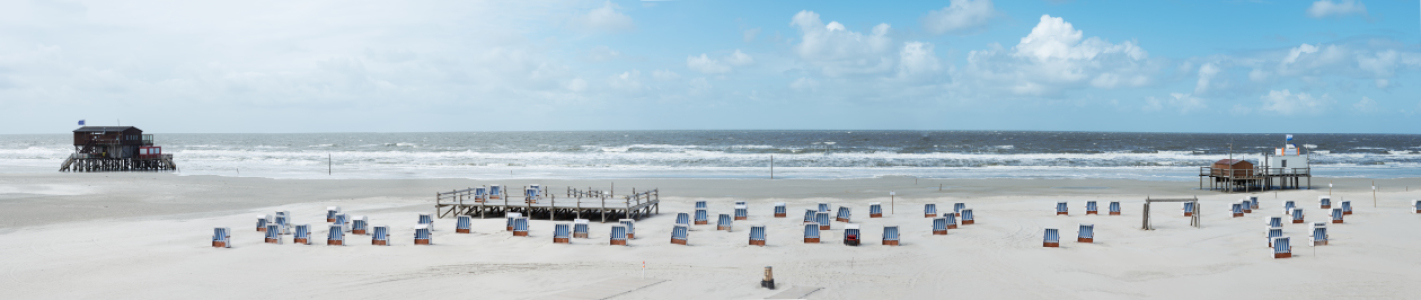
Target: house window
[1285,163]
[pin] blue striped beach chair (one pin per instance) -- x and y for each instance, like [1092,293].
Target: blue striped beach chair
[1273,233]
[283,218]
[723,222]
[757,235]
[1417,205]
[1337,215]
[1274,221]
[1346,207]
[464,224]
[875,210]
[1319,236]
[273,234]
[1236,209]
[302,236]
[495,192]
[809,216]
[940,226]
[680,234]
[562,234]
[823,207]
[221,237]
[619,235]
[683,219]
[520,226]
[951,219]
[359,225]
[958,207]
[631,227]
[852,235]
[811,233]
[1090,208]
[480,194]
[1253,201]
[262,220]
[1247,208]
[823,219]
[1115,208]
[1086,234]
[1062,209]
[702,217]
[780,211]
[380,236]
[1282,248]
[742,212]
[1297,216]
[424,236]
[343,221]
[331,212]
[701,204]
[843,215]
[1288,207]
[890,235]
[1188,209]
[1052,238]
[930,210]
[427,219]
[335,236]
[967,217]
[579,228]
[1324,202]
[508,219]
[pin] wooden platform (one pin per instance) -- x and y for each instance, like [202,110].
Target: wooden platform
[599,206]
[1256,179]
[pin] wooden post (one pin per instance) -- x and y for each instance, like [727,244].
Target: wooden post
[892,203]
[772,167]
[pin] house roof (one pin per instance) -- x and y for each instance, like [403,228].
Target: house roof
[1229,162]
[104,128]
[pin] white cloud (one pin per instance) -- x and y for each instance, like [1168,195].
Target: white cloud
[1366,105]
[837,51]
[707,65]
[1055,57]
[917,59]
[629,81]
[739,58]
[1206,74]
[960,16]
[1327,8]
[749,34]
[1286,103]
[607,18]
[1184,103]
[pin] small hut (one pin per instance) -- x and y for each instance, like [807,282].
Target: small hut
[1232,168]
[221,238]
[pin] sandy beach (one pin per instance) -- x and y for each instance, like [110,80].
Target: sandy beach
[137,235]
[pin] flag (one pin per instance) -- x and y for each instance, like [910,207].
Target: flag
[81,122]
[1290,137]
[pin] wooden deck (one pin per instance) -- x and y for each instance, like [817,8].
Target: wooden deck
[1257,179]
[577,204]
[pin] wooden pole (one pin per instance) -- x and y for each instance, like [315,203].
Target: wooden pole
[772,167]
[892,203]
[328,164]
[1374,193]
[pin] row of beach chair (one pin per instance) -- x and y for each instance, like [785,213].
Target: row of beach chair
[1062,209]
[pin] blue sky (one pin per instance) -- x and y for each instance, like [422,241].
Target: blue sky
[343,66]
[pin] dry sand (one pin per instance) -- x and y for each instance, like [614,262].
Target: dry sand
[140,235]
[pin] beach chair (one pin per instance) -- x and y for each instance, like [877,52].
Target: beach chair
[427,219]
[683,219]
[283,218]
[680,234]
[1319,236]
[562,234]
[359,225]
[1281,248]
[579,228]
[780,211]
[619,235]
[852,235]
[958,207]
[930,210]
[1237,209]
[1115,208]
[1346,207]
[844,214]
[1052,238]
[1274,233]
[1337,216]
[1324,202]
[380,236]
[1247,207]
[757,235]
[967,217]
[701,204]
[723,222]
[262,220]
[531,194]
[335,236]
[1086,234]
[1288,207]
[331,212]
[221,237]
[823,207]
[823,220]
[811,233]
[1188,209]
[302,236]
[951,219]
[508,219]
[1297,216]
[1253,202]
[631,227]
[875,210]
[702,217]
[422,235]
[742,213]
[273,234]
[1062,209]
[480,194]
[1090,208]
[495,192]
[520,226]
[809,216]
[464,224]
[890,235]
[343,220]
[939,226]
[1417,205]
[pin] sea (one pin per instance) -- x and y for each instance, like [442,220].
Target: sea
[739,154]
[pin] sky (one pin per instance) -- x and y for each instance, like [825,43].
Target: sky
[254,66]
